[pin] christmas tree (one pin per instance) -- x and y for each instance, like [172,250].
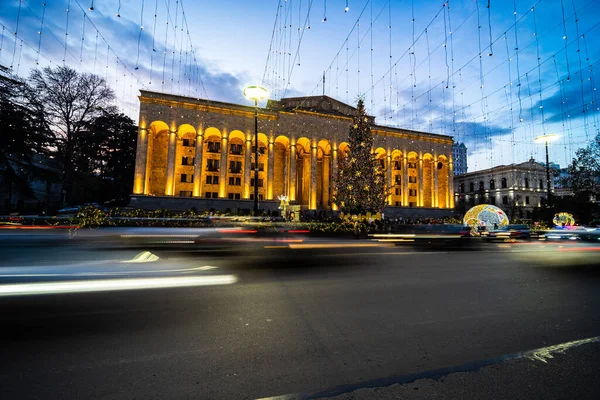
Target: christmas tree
[360,184]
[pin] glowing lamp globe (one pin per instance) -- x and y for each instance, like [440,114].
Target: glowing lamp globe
[485,215]
[256,92]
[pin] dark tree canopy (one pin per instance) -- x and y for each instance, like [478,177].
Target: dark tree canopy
[360,184]
[584,170]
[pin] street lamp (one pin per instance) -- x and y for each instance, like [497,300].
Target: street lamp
[545,139]
[255,93]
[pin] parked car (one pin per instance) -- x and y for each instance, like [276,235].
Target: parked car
[509,232]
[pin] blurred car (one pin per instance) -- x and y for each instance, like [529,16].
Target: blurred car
[508,232]
[573,233]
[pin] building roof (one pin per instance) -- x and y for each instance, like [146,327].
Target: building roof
[527,165]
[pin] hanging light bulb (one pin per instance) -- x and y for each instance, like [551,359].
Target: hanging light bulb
[92,6]
[347,8]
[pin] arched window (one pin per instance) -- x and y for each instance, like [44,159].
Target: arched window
[492,184]
[471,187]
[462,187]
[526,183]
[541,184]
[503,183]
[481,185]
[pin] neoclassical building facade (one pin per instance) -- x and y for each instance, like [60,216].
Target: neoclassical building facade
[195,148]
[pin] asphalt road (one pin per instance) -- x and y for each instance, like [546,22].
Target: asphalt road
[333,321]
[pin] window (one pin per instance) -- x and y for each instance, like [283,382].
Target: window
[211,195]
[261,149]
[503,183]
[412,165]
[412,192]
[214,147]
[233,196]
[187,160]
[235,181]
[412,179]
[397,165]
[541,184]
[212,165]
[188,143]
[471,187]
[235,167]
[481,185]
[526,183]
[381,163]
[526,199]
[212,180]
[260,196]
[187,178]
[492,184]
[411,203]
[504,199]
[236,148]
[398,180]
[185,193]
[261,166]
[398,204]
[260,182]
[398,192]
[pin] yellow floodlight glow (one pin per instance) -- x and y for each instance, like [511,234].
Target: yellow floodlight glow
[256,92]
[547,138]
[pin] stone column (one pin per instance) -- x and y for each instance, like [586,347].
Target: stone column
[313,178]
[405,180]
[389,179]
[223,165]
[141,157]
[170,187]
[198,164]
[326,182]
[292,173]
[247,166]
[270,169]
[435,183]
[420,201]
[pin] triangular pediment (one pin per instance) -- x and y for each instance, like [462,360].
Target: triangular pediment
[320,104]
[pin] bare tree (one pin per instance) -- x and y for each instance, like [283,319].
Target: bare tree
[67,101]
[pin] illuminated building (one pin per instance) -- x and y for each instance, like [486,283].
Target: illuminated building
[515,188]
[200,152]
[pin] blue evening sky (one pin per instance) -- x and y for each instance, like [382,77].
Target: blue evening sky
[416,63]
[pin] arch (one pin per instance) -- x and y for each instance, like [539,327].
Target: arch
[304,144]
[185,129]
[428,180]
[413,179]
[284,140]
[325,146]
[261,138]
[303,178]
[237,134]
[212,132]
[443,188]
[324,173]
[185,150]
[156,166]
[343,150]
[397,166]
[211,162]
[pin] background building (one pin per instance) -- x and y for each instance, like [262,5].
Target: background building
[200,153]
[515,188]
[459,158]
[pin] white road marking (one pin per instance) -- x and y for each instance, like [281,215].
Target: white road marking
[143,257]
[545,353]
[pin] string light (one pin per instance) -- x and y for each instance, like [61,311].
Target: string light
[37,58]
[16,32]
[118,15]
[92,6]
[137,60]
[66,32]
[347,7]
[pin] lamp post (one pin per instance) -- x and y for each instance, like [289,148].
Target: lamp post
[545,139]
[255,93]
